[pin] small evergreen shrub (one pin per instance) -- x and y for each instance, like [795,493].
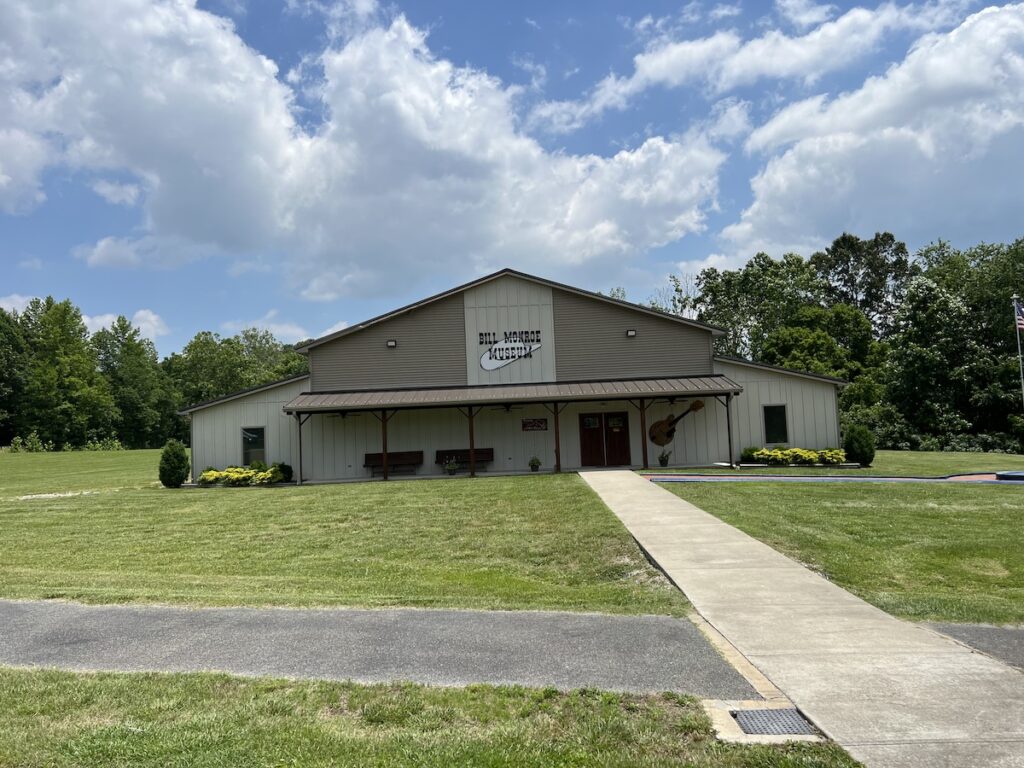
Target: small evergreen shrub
[259,466]
[173,465]
[285,470]
[748,455]
[859,444]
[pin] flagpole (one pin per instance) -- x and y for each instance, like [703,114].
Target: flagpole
[1016,329]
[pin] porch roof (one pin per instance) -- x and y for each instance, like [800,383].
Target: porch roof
[500,394]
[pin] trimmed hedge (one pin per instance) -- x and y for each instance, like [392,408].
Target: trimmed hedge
[859,443]
[173,465]
[237,477]
[780,457]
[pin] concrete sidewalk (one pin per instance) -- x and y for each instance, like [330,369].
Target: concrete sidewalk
[440,647]
[892,693]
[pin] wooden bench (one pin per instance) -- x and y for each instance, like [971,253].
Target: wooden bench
[461,456]
[398,462]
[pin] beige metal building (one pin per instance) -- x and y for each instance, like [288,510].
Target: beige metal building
[508,368]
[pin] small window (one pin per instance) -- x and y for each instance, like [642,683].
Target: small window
[775,424]
[253,445]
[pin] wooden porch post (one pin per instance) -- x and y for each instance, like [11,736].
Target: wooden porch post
[728,426]
[643,431]
[558,438]
[384,440]
[472,445]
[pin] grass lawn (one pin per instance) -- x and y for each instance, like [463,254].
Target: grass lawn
[66,719]
[945,552]
[532,542]
[913,463]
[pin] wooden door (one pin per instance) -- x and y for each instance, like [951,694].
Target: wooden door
[592,439]
[616,439]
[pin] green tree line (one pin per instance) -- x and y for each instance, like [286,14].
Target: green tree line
[71,387]
[927,342]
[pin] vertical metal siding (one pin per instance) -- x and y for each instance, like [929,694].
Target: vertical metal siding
[591,342]
[431,352]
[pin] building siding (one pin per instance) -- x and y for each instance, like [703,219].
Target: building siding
[591,342]
[217,430]
[811,407]
[431,352]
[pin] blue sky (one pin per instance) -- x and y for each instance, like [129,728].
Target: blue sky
[301,164]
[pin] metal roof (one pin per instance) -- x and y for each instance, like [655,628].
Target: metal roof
[687,386]
[303,348]
[779,369]
[242,393]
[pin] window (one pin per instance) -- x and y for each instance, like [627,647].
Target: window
[253,445]
[775,424]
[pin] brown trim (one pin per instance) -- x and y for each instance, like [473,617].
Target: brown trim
[777,369]
[715,330]
[242,393]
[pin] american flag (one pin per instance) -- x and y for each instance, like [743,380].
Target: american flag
[1018,312]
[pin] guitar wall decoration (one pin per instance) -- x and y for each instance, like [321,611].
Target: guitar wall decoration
[662,432]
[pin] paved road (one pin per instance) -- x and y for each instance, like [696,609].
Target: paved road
[687,477]
[565,650]
[893,693]
[1005,643]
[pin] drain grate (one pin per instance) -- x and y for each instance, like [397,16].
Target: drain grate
[773,722]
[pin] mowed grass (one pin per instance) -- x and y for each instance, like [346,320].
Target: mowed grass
[899,463]
[66,719]
[533,542]
[947,552]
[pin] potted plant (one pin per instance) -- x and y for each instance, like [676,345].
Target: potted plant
[451,465]
[663,457]
[534,464]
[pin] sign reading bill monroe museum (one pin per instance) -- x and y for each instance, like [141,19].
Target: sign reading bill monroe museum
[507,347]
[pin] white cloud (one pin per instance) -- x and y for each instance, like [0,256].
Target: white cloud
[804,13]
[149,323]
[725,11]
[339,326]
[284,330]
[118,194]
[419,166]
[15,302]
[724,61]
[35,264]
[930,149]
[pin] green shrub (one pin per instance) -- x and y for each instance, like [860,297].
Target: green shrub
[31,444]
[106,444]
[285,470]
[748,455]
[859,444]
[259,466]
[832,456]
[173,465]
[781,457]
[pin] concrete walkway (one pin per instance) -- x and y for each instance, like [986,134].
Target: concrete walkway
[440,647]
[892,693]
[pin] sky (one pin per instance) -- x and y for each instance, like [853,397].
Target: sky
[300,165]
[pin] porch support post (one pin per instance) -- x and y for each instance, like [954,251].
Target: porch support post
[643,432]
[472,444]
[300,420]
[728,426]
[555,414]
[384,441]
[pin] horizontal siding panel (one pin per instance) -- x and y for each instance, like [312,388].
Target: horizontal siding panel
[591,342]
[431,352]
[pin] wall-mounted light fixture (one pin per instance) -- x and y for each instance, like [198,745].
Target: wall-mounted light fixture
[631,333]
[392,343]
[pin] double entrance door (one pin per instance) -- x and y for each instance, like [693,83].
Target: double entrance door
[604,439]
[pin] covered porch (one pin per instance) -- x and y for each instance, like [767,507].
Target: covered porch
[363,434]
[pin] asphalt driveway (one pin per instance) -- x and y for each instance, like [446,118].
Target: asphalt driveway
[441,647]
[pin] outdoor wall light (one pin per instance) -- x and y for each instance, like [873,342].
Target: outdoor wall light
[631,333]
[392,343]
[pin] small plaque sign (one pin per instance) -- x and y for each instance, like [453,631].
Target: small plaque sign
[535,425]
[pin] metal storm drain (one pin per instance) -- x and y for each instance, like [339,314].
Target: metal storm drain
[773,722]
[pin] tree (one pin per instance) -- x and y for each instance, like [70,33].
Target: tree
[141,390]
[871,275]
[173,470]
[752,302]
[66,400]
[13,363]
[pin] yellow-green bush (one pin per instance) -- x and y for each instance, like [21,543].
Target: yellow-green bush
[780,457]
[241,476]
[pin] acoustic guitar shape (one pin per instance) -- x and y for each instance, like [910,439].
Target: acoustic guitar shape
[662,432]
